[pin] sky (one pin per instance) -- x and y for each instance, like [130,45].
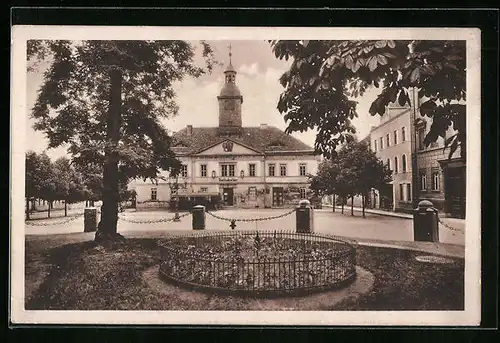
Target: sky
[258,72]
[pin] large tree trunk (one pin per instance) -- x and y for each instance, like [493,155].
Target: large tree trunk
[363,204]
[333,202]
[107,228]
[352,205]
[27,208]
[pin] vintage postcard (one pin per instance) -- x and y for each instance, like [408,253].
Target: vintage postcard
[245,175]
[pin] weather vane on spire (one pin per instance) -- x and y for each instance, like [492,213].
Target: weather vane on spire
[230,54]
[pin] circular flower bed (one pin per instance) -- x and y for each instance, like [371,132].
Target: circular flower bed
[258,262]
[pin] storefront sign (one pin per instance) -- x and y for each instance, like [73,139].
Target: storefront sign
[228,179]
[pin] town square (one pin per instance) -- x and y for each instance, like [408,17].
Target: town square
[245,175]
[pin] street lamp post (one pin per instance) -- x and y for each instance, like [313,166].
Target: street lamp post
[174,186]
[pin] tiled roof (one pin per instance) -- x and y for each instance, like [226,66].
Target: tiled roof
[269,139]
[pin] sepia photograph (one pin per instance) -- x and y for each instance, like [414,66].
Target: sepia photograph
[188,175]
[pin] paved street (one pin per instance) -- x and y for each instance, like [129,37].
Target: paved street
[373,227]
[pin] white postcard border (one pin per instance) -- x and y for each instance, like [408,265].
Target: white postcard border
[470,316]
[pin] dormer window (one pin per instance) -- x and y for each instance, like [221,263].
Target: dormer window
[180,145]
[276,144]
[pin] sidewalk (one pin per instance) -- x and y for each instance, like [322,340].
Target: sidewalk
[448,220]
[372,211]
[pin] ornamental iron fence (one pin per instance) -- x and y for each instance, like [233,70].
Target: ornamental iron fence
[257,263]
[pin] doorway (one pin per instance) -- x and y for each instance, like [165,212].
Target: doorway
[455,191]
[277,196]
[228,196]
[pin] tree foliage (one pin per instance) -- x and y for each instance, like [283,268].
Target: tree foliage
[325,76]
[105,100]
[69,184]
[51,181]
[354,170]
[72,103]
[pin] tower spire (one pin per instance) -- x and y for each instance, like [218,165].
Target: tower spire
[230,53]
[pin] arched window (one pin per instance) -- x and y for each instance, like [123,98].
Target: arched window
[403,163]
[395,164]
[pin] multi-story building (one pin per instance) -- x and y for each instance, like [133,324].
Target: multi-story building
[249,167]
[390,140]
[441,179]
[428,173]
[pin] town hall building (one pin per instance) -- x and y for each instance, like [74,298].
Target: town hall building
[246,167]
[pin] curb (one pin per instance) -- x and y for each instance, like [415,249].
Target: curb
[432,251]
[386,214]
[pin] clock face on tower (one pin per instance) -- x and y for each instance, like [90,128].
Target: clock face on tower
[229,104]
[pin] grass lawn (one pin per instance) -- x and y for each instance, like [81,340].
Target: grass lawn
[85,276]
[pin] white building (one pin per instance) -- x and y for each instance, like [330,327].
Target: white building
[391,142]
[248,167]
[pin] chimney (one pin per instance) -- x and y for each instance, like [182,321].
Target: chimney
[190,130]
[263,126]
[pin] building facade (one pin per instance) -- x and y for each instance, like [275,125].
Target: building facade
[420,172]
[245,167]
[441,179]
[391,142]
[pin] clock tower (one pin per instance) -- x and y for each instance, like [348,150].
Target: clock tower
[230,100]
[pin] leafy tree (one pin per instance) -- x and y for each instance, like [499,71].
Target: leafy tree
[33,181]
[325,181]
[48,181]
[326,75]
[370,172]
[105,100]
[355,170]
[68,183]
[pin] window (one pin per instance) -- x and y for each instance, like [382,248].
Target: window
[184,170]
[423,180]
[227,170]
[271,169]
[408,192]
[282,169]
[396,165]
[203,170]
[223,170]
[252,193]
[387,140]
[302,193]
[401,192]
[302,169]
[421,137]
[389,163]
[403,134]
[403,163]
[435,180]
[381,143]
[395,137]
[375,145]
[251,169]
[203,189]
[154,194]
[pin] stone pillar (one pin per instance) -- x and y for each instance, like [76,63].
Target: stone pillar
[425,222]
[90,219]
[198,214]
[304,214]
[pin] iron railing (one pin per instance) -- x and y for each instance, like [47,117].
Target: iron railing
[257,263]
